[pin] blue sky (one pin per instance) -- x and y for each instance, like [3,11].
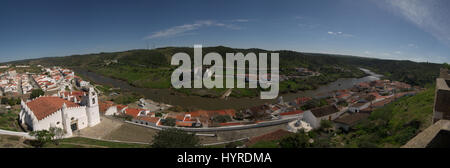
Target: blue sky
[416,30]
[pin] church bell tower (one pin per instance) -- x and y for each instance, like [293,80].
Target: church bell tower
[92,108]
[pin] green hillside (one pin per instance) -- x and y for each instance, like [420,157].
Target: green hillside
[151,68]
[395,124]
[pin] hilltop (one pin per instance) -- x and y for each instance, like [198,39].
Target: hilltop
[151,68]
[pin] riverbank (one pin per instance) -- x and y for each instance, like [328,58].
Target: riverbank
[196,102]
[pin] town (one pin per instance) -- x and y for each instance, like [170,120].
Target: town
[73,104]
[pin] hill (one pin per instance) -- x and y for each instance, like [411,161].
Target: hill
[151,68]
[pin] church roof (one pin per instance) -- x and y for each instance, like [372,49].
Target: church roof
[45,106]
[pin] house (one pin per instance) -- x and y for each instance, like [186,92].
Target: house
[147,120]
[315,116]
[357,107]
[345,122]
[108,108]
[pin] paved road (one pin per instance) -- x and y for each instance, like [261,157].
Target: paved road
[13,133]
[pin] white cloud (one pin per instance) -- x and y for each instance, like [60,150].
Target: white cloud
[413,45]
[176,30]
[339,34]
[430,15]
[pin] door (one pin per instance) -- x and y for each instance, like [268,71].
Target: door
[74,126]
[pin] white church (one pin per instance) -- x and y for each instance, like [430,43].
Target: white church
[70,111]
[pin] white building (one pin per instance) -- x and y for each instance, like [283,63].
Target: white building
[315,116]
[53,111]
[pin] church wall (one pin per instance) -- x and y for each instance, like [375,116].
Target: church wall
[78,113]
[53,120]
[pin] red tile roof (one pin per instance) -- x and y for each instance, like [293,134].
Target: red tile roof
[229,124]
[45,106]
[104,105]
[183,124]
[133,112]
[292,112]
[149,119]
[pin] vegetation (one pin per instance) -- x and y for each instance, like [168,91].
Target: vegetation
[222,118]
[396,123]
[9,120]
[175,138]
[298,140]
[126,98]
[10,101]
[168,122]
[42,137]
[152,69]
[314,103]
[36,93]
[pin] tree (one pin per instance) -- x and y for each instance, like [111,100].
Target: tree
[326,125]
[5,100]
[58,134]
[36,93]
[175,138]
[297,140]
[222,118]
[42,137]
[168,122]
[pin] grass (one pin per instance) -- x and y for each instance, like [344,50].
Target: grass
[265,144]
[394,124]
[8,120]
[77,142]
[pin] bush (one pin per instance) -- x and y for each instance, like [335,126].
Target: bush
[175,138]
[36,93]
[222,118]
[298,140]
[168,122]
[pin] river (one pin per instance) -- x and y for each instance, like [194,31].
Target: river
[165,96]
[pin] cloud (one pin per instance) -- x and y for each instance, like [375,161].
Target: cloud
[339,34]
[413,45]
[177,30]
[430,15]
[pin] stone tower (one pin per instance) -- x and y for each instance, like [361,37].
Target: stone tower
[92,108]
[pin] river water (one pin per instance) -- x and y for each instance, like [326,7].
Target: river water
[165,95]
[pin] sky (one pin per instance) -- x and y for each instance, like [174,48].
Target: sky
[416,30]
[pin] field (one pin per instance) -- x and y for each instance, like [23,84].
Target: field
[8,119]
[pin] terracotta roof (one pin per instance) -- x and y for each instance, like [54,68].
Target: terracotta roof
[149,119]
[229,124]
[45,106]
[104,105]
[292,112]
[133,112]
[183,124]
[120,107]
[301,100]
[210,113]
[324,111]
[381,103]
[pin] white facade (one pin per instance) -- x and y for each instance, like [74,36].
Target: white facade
[67,118]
